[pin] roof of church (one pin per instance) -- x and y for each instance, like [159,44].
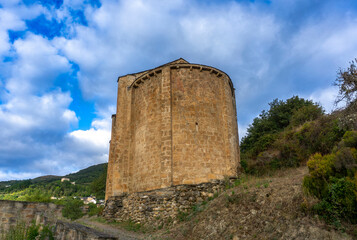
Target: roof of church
[177,61]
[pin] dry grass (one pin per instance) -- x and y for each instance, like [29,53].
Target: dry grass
[268,207]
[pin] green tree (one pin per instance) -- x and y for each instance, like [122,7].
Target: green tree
[262,132]
[347,82]
[72,209]
[97,187]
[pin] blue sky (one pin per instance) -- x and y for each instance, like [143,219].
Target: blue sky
[60,60]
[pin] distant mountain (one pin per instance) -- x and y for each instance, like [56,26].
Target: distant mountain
[84,176]
[87,175]
[47,178]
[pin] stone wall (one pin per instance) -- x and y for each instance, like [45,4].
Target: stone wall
[12,212]
[75,231]
[175,124]
[161,206]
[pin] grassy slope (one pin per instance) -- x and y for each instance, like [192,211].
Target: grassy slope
[259,208]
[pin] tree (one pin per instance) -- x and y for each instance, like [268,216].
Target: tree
[263,131]
[97,187]
[347,82]
[72,209]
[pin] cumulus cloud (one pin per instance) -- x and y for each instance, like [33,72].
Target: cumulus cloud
[37,66]
[326,97]
[270,50]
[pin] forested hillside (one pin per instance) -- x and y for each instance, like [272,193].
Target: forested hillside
[86,182]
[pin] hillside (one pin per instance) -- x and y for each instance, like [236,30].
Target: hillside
[259,208]
[84,176]
[268,207]
[50,185]
[87,175]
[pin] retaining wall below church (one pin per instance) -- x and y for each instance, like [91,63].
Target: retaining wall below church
[161,206]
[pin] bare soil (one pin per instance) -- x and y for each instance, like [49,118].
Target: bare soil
[270,207]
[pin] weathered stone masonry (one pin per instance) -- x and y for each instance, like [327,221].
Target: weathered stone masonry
[159,207]
[11,212]
[14,212]
[174,125]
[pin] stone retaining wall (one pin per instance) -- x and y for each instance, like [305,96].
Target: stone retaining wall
[12,212]
[161,206]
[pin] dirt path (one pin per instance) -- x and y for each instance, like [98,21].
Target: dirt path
[116,231]
[257,208]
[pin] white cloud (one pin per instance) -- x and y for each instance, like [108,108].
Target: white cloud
[326,97]
[97,138]
[6,176]
[270,51]
[37,66]
[8,21]
[242,130]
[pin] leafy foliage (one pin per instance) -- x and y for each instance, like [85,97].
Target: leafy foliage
[22,232]
[276,138]
[263,131]
[333,179]
[43,188]
[347,83]
[72,209]
[87,175]
[94,209]
[97,187]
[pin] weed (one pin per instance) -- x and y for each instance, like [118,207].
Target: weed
[132,226]
[32,232]
[232,199]
[182,216]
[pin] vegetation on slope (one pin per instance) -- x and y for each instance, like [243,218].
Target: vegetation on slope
[333,177]
[296,131]
[88,182]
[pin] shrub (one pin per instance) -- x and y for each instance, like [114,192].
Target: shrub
[315,186]
[46,233]
[32,232]
[94,210]
[305,114]
[72,209]
[333,179]
[321,166]
[17,232]
[345,162]
[37,196]
[342,197]
[350,139]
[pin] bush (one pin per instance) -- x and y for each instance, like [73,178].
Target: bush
[94,210]
[17,232]
[342,197]
[46,233]
[263,131]
[37,196]
[321,166]
[305,114]
[333,179]
[315,186]
[72,209]
[350,139]
[32,232]
[345,162]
